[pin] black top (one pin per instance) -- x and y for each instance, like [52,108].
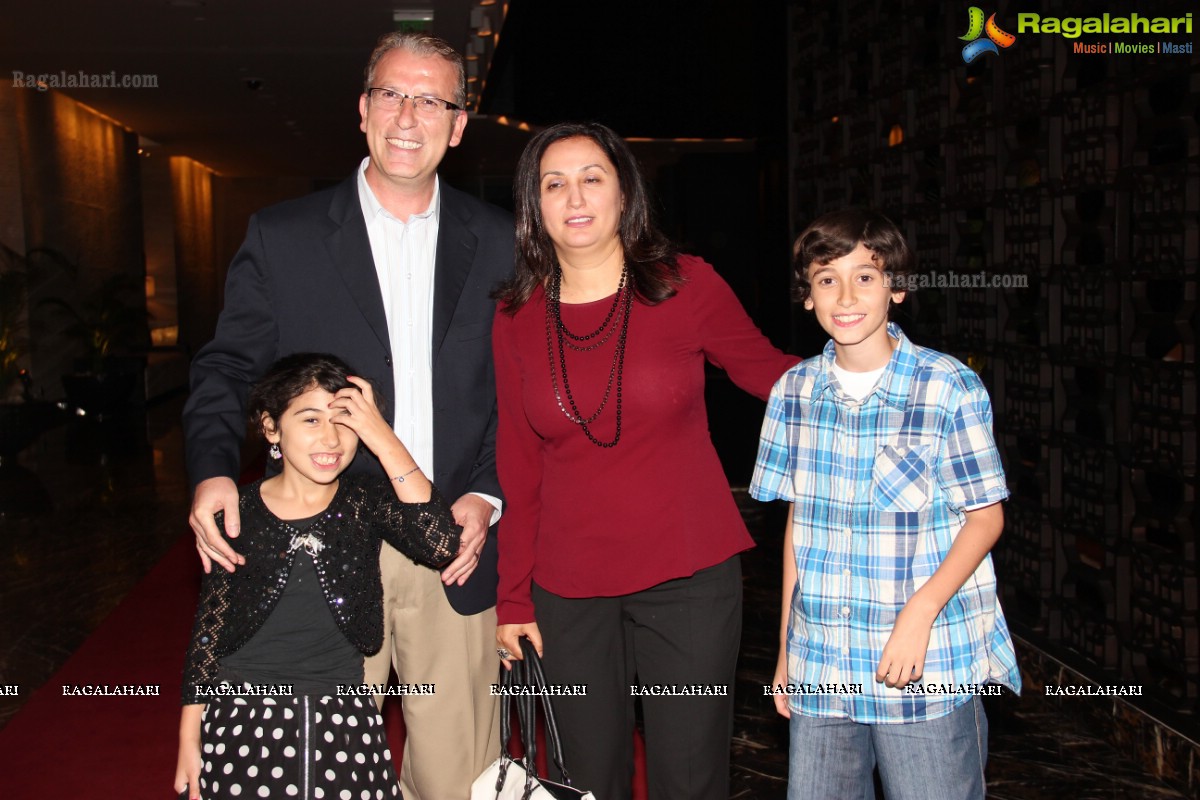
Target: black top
[235,606]
[300,642]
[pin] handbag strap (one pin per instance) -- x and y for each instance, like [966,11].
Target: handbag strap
[535,678]
[527,714]
[508,679]
[513,678]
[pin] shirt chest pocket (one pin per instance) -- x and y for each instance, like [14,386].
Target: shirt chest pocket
[900,478]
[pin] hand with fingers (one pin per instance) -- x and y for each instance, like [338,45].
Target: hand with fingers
[363,417]
[903,658]
[213,495]
[473,514]
[508,641]
[782,701]
[189,761]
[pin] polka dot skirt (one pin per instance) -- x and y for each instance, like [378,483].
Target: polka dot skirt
[313,748]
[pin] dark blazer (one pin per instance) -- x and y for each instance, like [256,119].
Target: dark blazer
[304,280]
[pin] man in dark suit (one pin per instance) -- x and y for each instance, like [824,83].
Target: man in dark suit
[392,271]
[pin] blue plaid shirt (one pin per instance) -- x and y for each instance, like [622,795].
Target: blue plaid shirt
[880,487]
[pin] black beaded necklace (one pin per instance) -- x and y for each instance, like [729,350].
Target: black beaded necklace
[558,338]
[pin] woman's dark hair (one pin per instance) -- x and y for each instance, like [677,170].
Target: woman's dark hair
[290,377]
[837,233]
[651,257]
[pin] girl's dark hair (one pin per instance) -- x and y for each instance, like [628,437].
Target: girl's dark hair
[292,376]
[651,257]
[837,233]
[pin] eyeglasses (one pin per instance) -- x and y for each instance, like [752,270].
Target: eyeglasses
[423,104]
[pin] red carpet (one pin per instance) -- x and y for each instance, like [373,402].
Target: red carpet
[111,748]
[124,748]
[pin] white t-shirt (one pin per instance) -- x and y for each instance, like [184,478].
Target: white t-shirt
[857,384]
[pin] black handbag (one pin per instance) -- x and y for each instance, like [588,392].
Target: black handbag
[511,779]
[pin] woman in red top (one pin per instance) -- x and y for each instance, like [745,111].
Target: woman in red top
[619,541]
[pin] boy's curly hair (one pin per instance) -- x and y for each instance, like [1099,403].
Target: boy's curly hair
[837,233]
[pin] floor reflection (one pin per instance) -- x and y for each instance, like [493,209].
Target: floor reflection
[115,499]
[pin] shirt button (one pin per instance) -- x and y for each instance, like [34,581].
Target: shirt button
[387,360]
[846,572]
[846,531]
[845,611]
[845,651]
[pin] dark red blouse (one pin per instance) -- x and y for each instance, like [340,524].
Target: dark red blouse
[586,521]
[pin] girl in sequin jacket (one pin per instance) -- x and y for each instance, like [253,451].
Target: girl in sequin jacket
[272,692]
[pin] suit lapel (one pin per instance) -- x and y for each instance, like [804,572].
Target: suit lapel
[350,250]
[455,254]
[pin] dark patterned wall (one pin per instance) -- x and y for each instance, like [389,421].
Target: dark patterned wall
[1078,174]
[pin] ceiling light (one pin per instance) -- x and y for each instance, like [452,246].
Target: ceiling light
[412,15]
[413,20]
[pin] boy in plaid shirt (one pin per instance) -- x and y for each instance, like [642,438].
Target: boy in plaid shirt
[891,629]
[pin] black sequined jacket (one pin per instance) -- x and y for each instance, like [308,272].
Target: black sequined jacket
[364,512]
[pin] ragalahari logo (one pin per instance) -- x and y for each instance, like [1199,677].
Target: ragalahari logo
[996,38]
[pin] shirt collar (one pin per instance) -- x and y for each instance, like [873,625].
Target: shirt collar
[372,208]
[897,377]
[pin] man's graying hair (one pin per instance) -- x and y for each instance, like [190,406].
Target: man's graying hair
[420,44]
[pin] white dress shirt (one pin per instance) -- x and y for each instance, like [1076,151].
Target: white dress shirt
[405,254]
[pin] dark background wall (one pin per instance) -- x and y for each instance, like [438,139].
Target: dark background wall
[1079,174]
[81,198]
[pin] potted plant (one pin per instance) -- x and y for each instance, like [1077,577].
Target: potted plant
[22,416]
[14,328]
[110,326]
[18,273]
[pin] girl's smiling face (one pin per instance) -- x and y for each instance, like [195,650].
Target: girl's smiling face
[314,446]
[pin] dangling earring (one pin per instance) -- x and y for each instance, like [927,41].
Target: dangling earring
[274,452]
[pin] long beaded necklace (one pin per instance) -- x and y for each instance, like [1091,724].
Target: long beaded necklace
[558,339]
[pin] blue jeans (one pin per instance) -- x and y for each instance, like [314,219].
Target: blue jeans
[941,759]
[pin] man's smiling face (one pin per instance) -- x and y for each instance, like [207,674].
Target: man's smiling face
[406,148]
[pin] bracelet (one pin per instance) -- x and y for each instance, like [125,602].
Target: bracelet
[400,478]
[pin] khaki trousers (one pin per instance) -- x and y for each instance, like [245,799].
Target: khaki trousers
[454,733]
